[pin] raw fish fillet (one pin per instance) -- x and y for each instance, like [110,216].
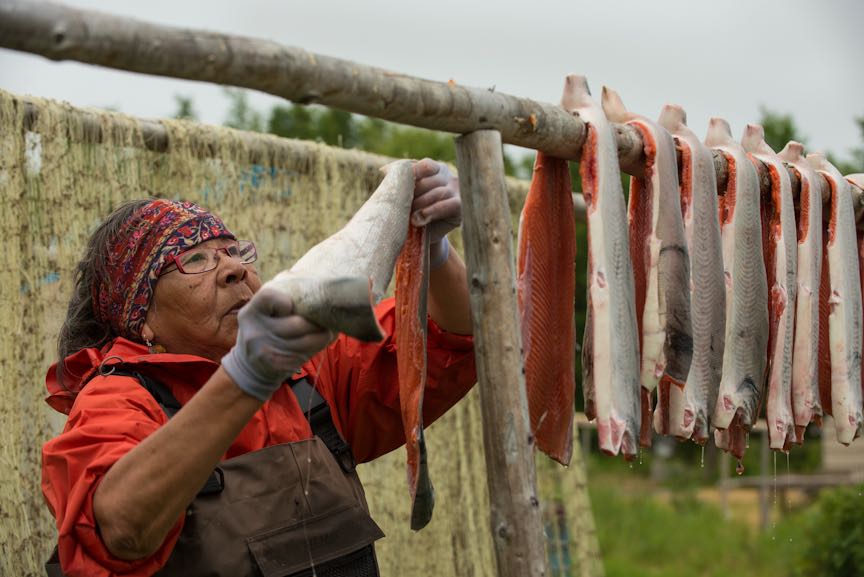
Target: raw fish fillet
[658,251]
[412,288]
[780,249]
[844,319]
[610,351]
[858,180]
[690,411]
[546,292]
[744,356]
[806,404]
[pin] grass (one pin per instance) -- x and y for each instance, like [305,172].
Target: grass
[643,535]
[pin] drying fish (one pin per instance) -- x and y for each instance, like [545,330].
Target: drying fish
[658,251]
[744,355]
[337,282]
[610,351]
[858,180]
[806,405]
[412,287]
[780,249]
[844,319]
[546,292]
[690,411]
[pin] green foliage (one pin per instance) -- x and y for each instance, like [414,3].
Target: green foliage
[185,108]
[642,535]
[834,539]
[779,128]
[241,115]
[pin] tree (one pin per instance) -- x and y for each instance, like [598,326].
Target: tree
[779,128]
[185,108]
[241,115]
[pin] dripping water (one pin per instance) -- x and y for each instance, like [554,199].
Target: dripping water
[787,498]
[774,505]
[702,458]
[739,468]
[746,440]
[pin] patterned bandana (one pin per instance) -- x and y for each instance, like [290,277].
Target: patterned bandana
[138,253]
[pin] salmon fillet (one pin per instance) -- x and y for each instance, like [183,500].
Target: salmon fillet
[412,284]
[546,287]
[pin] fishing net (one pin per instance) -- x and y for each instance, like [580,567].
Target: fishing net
[62,169]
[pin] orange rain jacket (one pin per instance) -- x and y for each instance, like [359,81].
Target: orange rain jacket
[112,414]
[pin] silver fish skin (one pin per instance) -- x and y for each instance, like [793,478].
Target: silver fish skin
[806,403]
[844,321]
[781,295]
[744,356]
[611,340]
[667,339]
[362,253]
[690,411]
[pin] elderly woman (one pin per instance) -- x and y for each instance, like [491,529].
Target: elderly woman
[254,475]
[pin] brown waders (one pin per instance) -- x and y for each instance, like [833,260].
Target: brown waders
[277,512]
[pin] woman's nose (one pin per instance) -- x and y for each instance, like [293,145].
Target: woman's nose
[230,269]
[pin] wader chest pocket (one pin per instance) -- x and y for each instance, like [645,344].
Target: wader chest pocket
[293,549]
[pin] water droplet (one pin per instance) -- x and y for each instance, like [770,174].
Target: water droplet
[739,468]
[702,458]
[631,465]
[640,456]
[747,440]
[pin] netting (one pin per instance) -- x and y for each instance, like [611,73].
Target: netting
[62,169]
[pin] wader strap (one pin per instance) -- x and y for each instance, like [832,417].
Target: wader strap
[320,419]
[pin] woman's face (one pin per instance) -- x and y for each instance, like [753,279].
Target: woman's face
[197,313]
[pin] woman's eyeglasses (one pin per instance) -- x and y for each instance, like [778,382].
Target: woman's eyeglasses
[202,258]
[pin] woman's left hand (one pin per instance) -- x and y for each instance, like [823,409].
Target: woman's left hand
[437,203]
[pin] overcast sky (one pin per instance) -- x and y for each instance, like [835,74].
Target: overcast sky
[714,58]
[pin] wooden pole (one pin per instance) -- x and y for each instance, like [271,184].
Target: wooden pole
[62,33]
[517,528]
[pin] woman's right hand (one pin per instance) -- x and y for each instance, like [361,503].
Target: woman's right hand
[271,343]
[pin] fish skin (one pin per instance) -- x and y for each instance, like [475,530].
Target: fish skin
[744,356]
[412,289]
[690,411]
[781,271]
[858,180]
[658,250]
[365,248]
[806,403]
[845,318]
[546,291]
[610,352]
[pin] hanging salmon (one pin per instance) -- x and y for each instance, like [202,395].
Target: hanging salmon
[858,180]
[844,302]
[546,291]
[412,289]
[690,411]
[610,351]
[744,356]
[780,250]
[806,405]
[658,251]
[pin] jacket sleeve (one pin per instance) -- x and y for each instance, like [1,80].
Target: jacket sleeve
[361,381]
[110,417]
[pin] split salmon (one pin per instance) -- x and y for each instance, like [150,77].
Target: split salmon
[337,282]
[690,410]
[610,350]
[746,346]
[412,289]
[546,287]
[658,252]
[806,405]
[844,302]
[780,250]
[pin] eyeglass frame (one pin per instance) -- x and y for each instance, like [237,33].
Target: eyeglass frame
[174,259]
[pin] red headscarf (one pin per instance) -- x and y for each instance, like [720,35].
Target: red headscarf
[137,254]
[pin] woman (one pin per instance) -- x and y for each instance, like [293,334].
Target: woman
[167,312]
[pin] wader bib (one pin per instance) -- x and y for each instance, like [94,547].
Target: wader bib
[276,512]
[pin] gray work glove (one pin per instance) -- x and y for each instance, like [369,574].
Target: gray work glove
[437,205]
[271,343]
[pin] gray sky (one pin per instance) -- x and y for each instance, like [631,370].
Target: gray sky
[714,58]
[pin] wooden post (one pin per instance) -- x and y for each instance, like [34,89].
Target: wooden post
[517,528]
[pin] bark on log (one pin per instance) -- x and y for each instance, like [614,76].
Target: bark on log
[517,528]
[62,33]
